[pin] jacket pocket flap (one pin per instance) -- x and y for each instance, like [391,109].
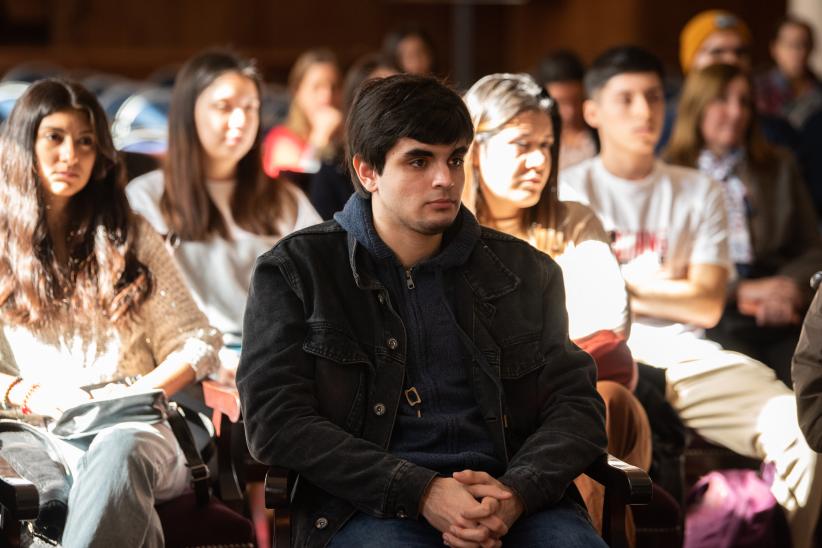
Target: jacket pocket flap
[521,356]
[332,344]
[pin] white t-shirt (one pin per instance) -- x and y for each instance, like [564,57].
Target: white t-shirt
[218,271]
[595,293]
[663,223]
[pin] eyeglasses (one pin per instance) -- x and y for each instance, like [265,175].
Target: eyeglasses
[741,51]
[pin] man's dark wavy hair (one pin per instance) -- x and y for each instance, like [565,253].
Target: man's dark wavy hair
[386,110]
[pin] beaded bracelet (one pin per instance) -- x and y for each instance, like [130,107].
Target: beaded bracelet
[6,402]
[24,408]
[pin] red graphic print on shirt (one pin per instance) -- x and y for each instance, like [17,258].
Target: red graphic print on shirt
[628,246]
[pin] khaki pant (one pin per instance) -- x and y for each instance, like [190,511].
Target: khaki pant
[737,402]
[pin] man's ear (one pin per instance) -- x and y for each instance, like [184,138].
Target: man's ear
[366,173]
[590,112]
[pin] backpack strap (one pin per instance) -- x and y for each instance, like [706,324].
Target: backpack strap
[200,476]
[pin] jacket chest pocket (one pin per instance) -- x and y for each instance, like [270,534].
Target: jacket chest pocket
[520,356]
[521,361]
[341,373]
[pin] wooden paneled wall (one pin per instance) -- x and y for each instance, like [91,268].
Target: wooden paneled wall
[135,37]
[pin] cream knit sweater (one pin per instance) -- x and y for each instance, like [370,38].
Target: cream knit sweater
[168,326]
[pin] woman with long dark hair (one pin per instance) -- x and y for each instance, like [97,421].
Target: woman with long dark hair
[773,232]
[90,297]
[216,207]
[511,183]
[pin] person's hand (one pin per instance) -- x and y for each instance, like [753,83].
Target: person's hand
[773,301]
[496,514]
[49,400]
[229,361]
[325,122]
[773,312]
[772,287]
[445,503]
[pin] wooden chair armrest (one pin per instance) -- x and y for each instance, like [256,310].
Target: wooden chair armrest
[278,498]
[18,496]
[624,485]
[276,488]
[630,484]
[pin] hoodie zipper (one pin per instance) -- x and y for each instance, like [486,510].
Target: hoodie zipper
[409,281]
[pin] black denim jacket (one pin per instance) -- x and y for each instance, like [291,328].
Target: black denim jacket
[322,367]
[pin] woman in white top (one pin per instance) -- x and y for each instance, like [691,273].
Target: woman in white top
[511,183]
[89,296]
[212,201]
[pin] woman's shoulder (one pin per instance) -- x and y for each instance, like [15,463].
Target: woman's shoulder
[144,194]
[147,240]
[297,205]
[150,183]
[579,223]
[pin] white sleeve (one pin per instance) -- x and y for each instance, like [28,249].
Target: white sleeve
[144,194]
[306,214]
[569,193]
[595,292]
[711,243]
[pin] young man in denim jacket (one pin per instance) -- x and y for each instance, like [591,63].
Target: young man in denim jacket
[410,367]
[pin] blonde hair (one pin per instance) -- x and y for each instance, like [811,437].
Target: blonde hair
[297,120]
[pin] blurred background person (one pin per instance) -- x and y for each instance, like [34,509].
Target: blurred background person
[790,89]
[561,73]
[331,186]
[718,36]
[772,225]
[314,121]
[411,49]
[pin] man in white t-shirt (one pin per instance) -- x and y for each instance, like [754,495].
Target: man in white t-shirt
[670,235]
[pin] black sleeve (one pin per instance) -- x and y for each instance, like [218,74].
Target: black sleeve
[283,425]
[572,430]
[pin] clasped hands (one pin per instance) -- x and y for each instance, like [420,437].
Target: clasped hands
[471,509]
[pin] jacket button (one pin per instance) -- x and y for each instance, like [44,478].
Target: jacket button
[381,298]
[379,409]
[401,513]
[321,523]
[392,343]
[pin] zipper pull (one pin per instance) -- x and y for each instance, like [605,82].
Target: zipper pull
[409,281]
[413,398]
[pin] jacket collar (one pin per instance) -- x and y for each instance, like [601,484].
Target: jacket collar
[483,271]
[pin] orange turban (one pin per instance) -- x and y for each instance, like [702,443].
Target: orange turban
[703,25]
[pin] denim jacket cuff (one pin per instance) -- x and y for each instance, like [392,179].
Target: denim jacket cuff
[407,489]
[523,485]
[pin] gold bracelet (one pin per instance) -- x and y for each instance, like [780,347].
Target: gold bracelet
[6,401]
[24,408]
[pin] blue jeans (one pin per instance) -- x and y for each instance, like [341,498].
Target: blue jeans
[117,480]
[566,525]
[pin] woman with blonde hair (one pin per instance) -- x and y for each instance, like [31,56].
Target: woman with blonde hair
[773,231]
[511,184]
[311,131]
